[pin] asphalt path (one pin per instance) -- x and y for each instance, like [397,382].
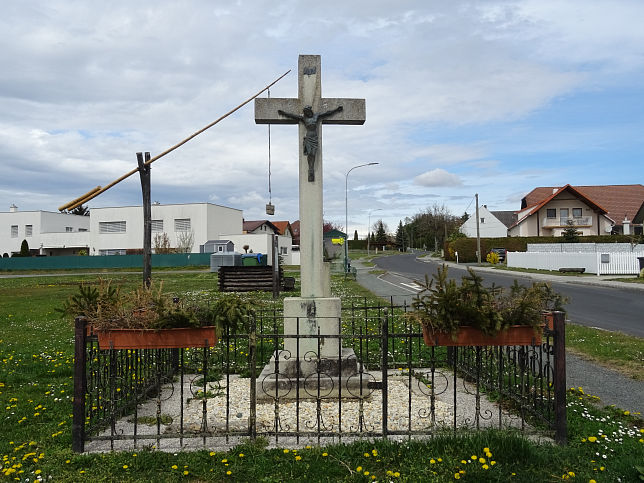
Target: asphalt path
[593,301]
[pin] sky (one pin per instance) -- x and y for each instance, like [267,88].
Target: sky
[462,97]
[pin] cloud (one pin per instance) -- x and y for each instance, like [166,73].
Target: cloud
[86,86]
[437,177]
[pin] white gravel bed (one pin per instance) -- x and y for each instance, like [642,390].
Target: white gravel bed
[218,436]
[398,417]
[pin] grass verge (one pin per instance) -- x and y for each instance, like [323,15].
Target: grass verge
[621,352]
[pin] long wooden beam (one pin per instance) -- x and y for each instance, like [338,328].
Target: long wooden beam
[97,191]
[80,198]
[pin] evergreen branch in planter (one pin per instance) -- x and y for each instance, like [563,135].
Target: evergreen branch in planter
[443,305]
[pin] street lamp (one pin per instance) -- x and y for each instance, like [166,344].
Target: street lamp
[346,213]
[369,228]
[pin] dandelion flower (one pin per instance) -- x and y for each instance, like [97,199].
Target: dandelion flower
[485,467]
[359,469]
[432,461]
[457,476]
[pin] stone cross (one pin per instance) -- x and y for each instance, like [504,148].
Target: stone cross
[309,110]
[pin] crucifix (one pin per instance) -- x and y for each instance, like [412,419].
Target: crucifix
[315,311]
[309,110]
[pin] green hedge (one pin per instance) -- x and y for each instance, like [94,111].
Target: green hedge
[466,247]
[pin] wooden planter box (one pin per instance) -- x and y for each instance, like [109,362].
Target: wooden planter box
[156,339]
[470,336]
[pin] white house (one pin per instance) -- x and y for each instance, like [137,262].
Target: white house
[47,233]
[114,231]
[119,230]
[492,224]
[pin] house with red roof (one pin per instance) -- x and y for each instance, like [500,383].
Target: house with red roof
[593,210]
[283,228]
[256,227]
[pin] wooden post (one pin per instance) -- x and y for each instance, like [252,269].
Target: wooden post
[80,386]
[144,173]
[561,424]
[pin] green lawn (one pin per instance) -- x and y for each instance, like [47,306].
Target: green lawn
[36,354]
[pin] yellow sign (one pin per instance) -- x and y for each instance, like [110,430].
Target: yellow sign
[337,241]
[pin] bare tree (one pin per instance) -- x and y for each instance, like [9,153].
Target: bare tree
[161,244]
[185,240]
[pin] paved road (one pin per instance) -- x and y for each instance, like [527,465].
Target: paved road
[610,386]
[593,301]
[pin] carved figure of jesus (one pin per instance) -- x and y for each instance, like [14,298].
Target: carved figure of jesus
[311,122]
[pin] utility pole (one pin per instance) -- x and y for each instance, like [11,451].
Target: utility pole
[478,231]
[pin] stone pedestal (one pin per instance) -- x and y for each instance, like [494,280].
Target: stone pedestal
[297,371]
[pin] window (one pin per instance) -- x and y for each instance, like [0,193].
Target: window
[220,248]
[82,229]
[182,224]
[111,227]
[283,251]
[551,213]
[111,252]
[14,231]
[69,229]
[576,212]
[482,220]
[29,229]
[157,226]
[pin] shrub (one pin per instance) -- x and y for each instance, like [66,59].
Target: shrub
[107,307]
[443,306]
[24,249]
[492,258]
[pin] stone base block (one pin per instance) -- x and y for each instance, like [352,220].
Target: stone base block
[290,378]
[308,316]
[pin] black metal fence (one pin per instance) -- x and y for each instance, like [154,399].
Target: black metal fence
[380,380]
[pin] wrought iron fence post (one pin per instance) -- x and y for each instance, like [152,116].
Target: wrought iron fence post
[80,386]
[561,425]
[252,353]
[384,331]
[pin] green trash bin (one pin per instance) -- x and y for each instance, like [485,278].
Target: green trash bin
[249,260]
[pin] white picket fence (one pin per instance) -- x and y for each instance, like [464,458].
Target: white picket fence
[616,263]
